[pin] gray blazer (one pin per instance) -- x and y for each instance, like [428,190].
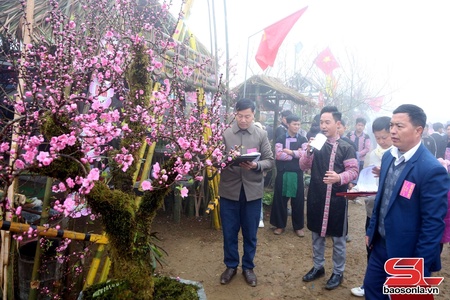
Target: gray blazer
[231,178]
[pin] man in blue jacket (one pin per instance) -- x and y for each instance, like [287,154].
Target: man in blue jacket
[411,203]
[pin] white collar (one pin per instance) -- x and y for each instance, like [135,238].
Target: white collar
[399,158]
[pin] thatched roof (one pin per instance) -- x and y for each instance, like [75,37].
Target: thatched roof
[268,90]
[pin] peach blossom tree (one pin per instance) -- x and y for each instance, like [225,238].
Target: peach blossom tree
[93,92]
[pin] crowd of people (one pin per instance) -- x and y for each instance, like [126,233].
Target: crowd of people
[406,218]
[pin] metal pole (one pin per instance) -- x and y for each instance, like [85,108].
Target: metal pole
[246,62]
[227,57]
[210,29]
[215,41]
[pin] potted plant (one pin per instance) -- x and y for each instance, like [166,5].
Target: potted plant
[96,90]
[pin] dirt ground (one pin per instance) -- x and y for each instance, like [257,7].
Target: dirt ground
[195,252]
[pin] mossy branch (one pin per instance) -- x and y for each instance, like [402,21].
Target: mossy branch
[118,213]
[153,200]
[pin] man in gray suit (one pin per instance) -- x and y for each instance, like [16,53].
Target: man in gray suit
[241,190]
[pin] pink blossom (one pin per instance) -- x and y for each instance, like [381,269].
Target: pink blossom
[18,210]
[156,169]
[186,70]
[184,192]
[94,174]
[70,182]
[69,205]
[4,147]
[29,155]
[19,164]
[72,24]
[158,65]
[62,187]
[44,158]
[19,106]
[146,185]
[85,211]
[184,144]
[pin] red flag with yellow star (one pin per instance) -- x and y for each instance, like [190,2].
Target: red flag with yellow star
[326,61]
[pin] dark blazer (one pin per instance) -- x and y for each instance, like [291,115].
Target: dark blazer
[414,226]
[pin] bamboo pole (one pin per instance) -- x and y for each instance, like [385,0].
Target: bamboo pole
[105,270]
[217,221]
[213,183]
[6,236]
[51,232]
[27,31]
[95,264]
[148,158]
[35,276]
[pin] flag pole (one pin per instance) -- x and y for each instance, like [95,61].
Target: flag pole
[227,58]
[246,61]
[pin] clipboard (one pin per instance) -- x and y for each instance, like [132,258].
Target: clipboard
[353,195]
[254,156]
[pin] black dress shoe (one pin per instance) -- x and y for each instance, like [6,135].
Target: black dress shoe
[250,277]
[334,281]
[313,274]
[227,275]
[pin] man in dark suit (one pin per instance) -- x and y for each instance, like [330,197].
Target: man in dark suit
[411,203]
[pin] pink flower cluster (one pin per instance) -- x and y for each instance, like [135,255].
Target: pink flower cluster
[58,93]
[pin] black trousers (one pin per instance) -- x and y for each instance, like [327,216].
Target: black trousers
[278,214]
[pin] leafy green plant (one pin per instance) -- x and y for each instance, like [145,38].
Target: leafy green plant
[267,198]
[165,288]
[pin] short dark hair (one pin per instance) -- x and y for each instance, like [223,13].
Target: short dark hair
[337,115]
[437,126]
[315,127]
[343,122]
[361,120]
[292,118]
[381,123]
[316,120]
[244,104]
[415,113]
[285,113]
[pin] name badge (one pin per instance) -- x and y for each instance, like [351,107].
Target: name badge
[407,189]
[250,150]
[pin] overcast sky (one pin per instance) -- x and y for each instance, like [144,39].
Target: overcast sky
[403,45]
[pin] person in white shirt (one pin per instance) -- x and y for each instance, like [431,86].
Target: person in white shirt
[380,129]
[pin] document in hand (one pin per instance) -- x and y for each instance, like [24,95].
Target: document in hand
[367,182]
[318,141]
[253,156]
